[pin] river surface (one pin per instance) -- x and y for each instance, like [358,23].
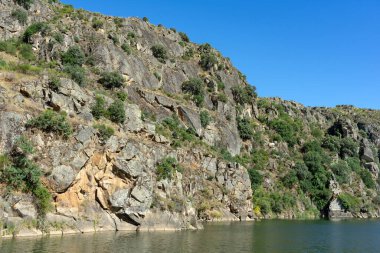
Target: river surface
[260,237]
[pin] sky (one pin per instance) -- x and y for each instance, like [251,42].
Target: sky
[319,53]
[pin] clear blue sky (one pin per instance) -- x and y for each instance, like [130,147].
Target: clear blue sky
[317,52]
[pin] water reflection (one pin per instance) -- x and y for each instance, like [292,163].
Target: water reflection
[260,237]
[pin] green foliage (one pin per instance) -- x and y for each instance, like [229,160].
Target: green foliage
[116,112]
[58,37]
[287,128]
[54,83]
[160,52]
[367,179]
[26,52]
[195,87]
[349,202]
[19,173]
[104,131]
[245,128]
[122,95]
[20,15]
[171,127]
[9,46]
[74,56]
[126,48]
[331,143]
[34,29]
[97,24]
[205,118]
[260,158]
[184,37]
[349,148]
[244,95]
[189,53]
[342,171]
[118,21]
[111,80]
[25,3]
[50,121]
[98,110]
[145,19]
[256,178]
[290,179]
[76,73]
[208,60]
[166,168]
[222,97]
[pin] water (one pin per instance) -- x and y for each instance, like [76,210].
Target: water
[260,237]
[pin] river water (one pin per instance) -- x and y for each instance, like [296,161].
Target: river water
[260,237]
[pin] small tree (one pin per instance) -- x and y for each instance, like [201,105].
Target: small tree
[74,56]
[98,110]
[111,80]
[160,53]
[195,87]
[208,60]
[245,128]
[244,95]
[34,29]
[50,121]
[116,112]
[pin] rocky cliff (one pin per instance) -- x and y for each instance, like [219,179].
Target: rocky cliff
[109,123]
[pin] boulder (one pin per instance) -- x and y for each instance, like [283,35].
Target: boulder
[133,122]
[62,177]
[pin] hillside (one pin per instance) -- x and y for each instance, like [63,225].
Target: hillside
[117,124]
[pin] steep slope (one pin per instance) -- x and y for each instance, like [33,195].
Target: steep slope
[116,124]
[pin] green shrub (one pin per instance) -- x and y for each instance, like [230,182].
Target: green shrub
[331,143]
[208,60]
[341,171]
[97,24]
[54,83]
[189,53]
[367,179]
[195,87]
[245,128]
[105,132]
[184,37]
[166,168]
[9,47]
[25,3]
[50,121]
[34,29]
[287,128]
[58,37]
[256,178]
[205,48]
[116,112]
[98,110]
[74,56]
[349,148]
[111,80]
[131,36]
[122,95]
[222,97]
[260,158]
[205,118]
[171,127]
[20,15]
[43,200]
[145,19]
[126,48]
[76,73]
[118,21]
[244,95]
[26,52]
[290,179]
[160,53]
[349,202]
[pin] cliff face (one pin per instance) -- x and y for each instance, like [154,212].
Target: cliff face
[135,127]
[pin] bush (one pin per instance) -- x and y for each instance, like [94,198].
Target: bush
[42,200]
[54,83]
[116,112]
[341,171]
[208,60]
[166,168]
[290,179]
[76,73]
[171,127]
[205,118]
[118,21]
[245,128]
[287,129]
[331,143]
[349,202]
[98,110]
[256,178]
[25,3]
[21,16]
[34,29]
[195,87]
[9,46]
[222,97]
[105,132]
[111,80]
[122,95]
[58,37]
[126,48]
[349,148]
[145,19]
[74,56]
[244,95]
[50,121]
[367,179]
[184,37]
[160,53]
[189,53]
[97,24]
[26,52]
